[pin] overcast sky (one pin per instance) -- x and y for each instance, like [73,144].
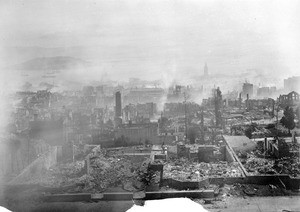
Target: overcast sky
[142,37]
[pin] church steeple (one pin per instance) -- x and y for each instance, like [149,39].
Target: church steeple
[205,70]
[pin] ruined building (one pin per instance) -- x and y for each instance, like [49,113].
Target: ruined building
[291,99]
[247,90]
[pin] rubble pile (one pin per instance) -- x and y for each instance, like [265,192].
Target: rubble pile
[112,172]
[259,166]
[69,170]
[185,170]
[250,190]
[288,166]
[104,172]
[98,172]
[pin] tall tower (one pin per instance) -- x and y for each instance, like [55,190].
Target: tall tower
[118,112]
[205,70]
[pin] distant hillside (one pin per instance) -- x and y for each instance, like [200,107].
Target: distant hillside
[51,64]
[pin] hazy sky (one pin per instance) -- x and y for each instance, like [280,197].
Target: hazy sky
[148,38]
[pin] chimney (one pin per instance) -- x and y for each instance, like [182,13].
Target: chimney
[240,100]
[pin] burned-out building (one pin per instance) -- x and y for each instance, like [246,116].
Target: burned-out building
[146,110]
[291,99]
[143,95]
[138,133]
[265,92]
[247,90]
[180,109]
[261,104]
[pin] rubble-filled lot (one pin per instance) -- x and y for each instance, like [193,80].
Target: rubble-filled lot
[104,172]
[184,170]
[260,162]
[258,166]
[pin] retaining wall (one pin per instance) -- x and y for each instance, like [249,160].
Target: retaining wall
[283,181]
[228,155]
[184,185]
[229,152]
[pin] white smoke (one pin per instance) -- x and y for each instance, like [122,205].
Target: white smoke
[167,80]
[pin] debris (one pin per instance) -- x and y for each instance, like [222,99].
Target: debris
[185,170]
[250,190]
[207,201]
[256,165]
